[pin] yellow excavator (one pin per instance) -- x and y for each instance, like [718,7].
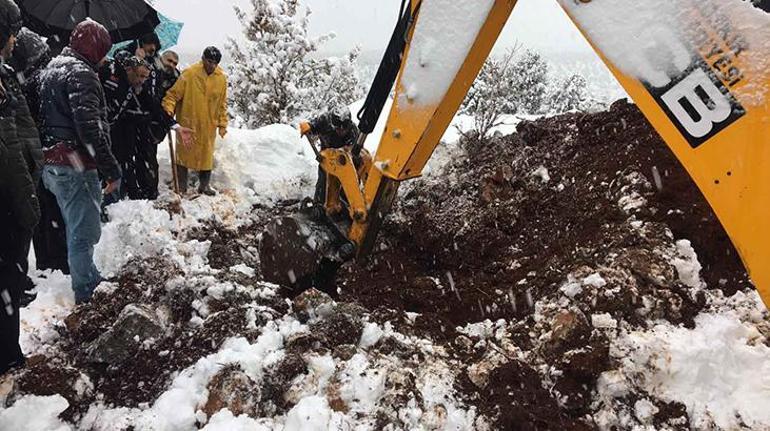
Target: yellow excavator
[696,68]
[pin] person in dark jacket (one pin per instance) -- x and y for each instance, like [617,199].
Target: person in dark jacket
[132,110]
[129,118]
[147,48]
[334,129]
[77,148]
[19,213]
[30,57]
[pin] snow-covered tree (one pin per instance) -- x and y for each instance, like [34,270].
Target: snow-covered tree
[572,94]
[569,95]
[529,77]
[276,75]
[509,84]
[490,95]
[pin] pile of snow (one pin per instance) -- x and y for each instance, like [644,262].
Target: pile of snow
[33,413]
[270,161]
[720,370]
[258,166]
[54,302]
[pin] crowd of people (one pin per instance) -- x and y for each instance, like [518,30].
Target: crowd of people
[80,131]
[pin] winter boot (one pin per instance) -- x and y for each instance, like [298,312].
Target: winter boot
[181,176]
[205,179]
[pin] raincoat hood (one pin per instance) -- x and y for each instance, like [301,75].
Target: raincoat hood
[91,40]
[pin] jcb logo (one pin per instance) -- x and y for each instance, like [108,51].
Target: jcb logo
[687,89]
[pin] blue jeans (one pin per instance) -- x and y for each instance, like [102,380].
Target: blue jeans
[79,195]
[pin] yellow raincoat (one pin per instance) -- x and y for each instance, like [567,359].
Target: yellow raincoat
[199,101]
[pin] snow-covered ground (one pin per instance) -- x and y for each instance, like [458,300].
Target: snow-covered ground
[719,370]
[251,167]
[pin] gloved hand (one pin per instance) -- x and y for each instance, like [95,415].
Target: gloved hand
[304,128]
[222,132]
[112,187]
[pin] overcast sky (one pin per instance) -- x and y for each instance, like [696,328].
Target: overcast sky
[539,24]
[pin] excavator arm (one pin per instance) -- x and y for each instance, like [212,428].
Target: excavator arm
[696,68]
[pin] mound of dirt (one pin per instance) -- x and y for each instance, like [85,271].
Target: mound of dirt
[581,206]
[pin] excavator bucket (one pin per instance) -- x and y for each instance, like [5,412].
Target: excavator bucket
[303,250]
[698,70]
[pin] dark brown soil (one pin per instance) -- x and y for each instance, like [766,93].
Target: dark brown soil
[467,234]
[519,401]
[489,239]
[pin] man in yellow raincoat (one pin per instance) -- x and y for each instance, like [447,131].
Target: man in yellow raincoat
[199,100]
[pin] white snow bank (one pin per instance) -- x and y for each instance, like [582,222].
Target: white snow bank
[259,165]
[362,384]
[310,414]
[136,229]
[720,370]
[34,413]
[101,418]
[270,161]
[687,266]
[224,420]
[54,301]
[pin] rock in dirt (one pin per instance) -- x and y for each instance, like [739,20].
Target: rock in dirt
[313,301]
[276,389]
[135,324]
[343,325]
[479,372]
[301,342]
[45,377]
[569,329]
[344,352]
[232,389]
[649,267]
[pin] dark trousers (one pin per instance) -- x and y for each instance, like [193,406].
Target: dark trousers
[136,151]
[13,244]
[50,239]
[11,285]
[124,147]
[320,188]
[147,168]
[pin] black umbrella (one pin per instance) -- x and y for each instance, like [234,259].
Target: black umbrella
[124,19]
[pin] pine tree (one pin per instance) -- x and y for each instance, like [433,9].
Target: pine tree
[529,77]
[511,84]
[274,77]
[570,95]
